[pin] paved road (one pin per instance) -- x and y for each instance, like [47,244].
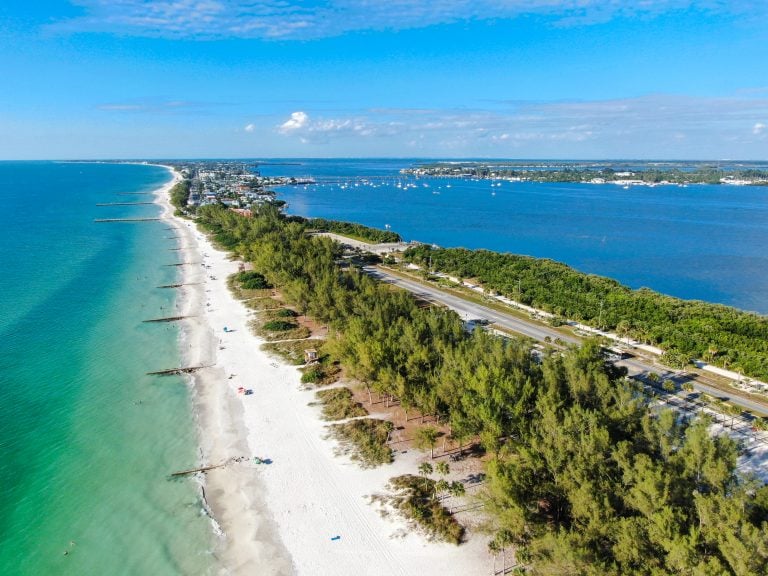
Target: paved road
[380,249]
[641,368]
[469,310]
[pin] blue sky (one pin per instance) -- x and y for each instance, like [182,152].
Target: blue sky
[447,78]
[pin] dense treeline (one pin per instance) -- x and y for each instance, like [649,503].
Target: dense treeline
[180,194]
[582,480]
[703,175]
[354,230]
[596,485]
[720,334]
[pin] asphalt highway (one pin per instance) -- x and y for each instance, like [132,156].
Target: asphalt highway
[637,367]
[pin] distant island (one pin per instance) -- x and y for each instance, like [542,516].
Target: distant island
[644,174]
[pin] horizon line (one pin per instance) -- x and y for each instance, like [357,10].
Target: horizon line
[451,158]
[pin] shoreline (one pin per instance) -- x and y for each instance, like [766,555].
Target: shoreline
[229,494]
[280,518]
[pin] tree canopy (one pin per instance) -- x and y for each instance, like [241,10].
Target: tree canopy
[582,477]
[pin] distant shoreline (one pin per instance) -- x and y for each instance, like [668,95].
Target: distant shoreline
[648,175]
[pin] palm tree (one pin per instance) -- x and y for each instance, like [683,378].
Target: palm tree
[425,469]
[457,490]
[441,485]
[622,329]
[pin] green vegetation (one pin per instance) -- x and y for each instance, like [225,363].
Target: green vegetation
[251,280]
[582,479]
[675,359]
[292,351]
[312,376]
[688,329]
[699,175]
[321,373]
[279,326]
[241,293]
[354,230]
[597,485]
[276,324]
[365,441]
[261,303]
[179,195]
[416,499]
[426,439]
[338,404]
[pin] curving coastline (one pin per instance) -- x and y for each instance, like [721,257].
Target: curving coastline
[280,518]
[246,534]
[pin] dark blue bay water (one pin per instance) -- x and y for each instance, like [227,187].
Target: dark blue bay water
[86,438]
[699,242]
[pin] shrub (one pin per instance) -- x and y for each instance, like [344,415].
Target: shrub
[312,376]
[279,326]
[338,404]
[364,441]
[252,280]
[668,385]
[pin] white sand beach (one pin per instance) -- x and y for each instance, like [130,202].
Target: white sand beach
[280,518]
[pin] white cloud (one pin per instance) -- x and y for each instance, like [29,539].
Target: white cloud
[308,130]
[297,121]
[302,19]
[249,127]
[650,126]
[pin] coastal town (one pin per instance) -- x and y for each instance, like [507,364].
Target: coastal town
[237,185]
[649,174]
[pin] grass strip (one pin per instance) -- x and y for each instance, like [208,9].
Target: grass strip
[364,441]
[291,352]
[338,404]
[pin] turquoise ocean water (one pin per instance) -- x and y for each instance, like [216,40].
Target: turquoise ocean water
[86,438]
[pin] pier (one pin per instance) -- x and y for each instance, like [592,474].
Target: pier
[200,469]
[176,371]
[182,264]
[168,319]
